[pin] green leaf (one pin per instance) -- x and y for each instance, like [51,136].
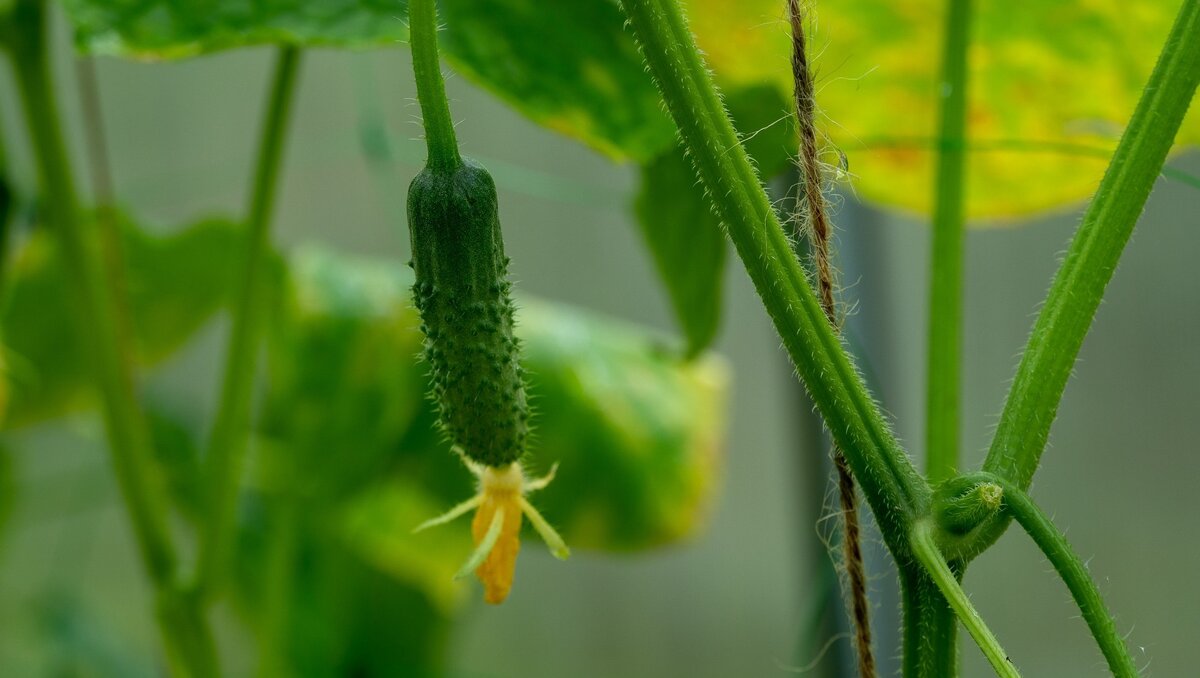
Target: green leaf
[175,282]
[171,29]
[1048,99]
[681,231]
[568,66]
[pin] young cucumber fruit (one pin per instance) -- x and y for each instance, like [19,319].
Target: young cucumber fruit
[463,294]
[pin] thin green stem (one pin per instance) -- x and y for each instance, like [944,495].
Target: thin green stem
[1054,545]
[431,89]
[231,429]
[944,365]
[930,648]
[1093,255]
[7,200]
[892,486]
[925,550]
[95,316]
[277,596]
[105,208]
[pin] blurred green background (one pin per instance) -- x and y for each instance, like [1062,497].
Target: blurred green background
[1120,475]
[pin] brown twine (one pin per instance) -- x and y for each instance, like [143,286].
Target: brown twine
[817,219]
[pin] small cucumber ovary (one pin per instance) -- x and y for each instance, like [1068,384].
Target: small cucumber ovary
[463,294]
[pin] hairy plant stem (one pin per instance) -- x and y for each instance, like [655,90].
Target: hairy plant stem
[929,648]
[817,220]
[926,552]
[431,89]
[189,646]
[890,483]
[1091,260]
[1070,567]
[944,364]
[231,430]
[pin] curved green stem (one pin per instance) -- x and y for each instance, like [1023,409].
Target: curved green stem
[944,364]
[1079,284]
[925,550]
[431,89]
[892,486]
[231,429]
[188,640]
[1053,544]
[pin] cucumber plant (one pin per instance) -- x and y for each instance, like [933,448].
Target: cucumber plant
[934,522]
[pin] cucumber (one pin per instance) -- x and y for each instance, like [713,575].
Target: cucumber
[464,297]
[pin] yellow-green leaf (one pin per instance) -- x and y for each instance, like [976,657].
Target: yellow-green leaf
[1052,85]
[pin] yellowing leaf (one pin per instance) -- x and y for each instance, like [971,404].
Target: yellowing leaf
[1052,85]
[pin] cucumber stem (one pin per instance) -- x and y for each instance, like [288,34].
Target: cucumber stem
[431,88]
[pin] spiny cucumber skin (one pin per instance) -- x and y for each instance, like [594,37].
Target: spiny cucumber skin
[463,295]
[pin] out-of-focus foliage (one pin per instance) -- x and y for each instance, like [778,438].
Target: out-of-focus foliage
[568,66]
[169,29]
[1044,77]
[348,459]
[1050,83]
[679,227]
[1051,88]
[350,435]
[175,284]
[635,431]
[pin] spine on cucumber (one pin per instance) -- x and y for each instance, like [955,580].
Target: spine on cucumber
[463,294]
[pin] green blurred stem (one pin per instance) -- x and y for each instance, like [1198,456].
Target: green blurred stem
[280,568]
[938,654]
[944,365]
[231,430]
[431,89]
[1093,255]
[925,550]
[95,316]
[7,200]
[892,486]
[1054,545]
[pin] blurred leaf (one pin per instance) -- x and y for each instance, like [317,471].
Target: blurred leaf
[378,524]
[569,66]
[1050,78]
[1051,85]
[681,231]
[350,612]
[176,448]
[637,431]
[344,384]
[171,29]
[176,283]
